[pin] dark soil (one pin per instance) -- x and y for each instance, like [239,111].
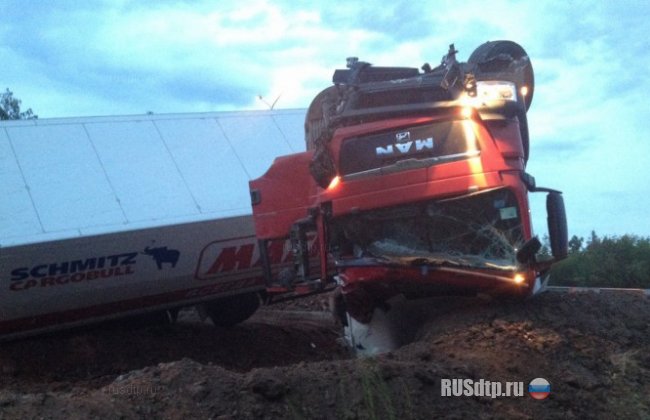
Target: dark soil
[285,363]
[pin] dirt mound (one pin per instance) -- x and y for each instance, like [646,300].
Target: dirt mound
[593,349]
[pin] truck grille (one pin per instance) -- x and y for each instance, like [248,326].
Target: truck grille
[444,139]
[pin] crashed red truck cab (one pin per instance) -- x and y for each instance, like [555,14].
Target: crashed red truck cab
[414,184]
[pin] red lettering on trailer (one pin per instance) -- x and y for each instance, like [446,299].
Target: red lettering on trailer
[227,259]
[278,251]
[23,285]
[232,258]
[241,257]
[77,277]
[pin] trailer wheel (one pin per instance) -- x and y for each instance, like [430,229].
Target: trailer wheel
[230,311]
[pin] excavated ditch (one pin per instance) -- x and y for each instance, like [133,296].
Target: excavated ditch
[288,362]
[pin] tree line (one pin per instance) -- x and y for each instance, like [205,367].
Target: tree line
[10,108]
[610,261]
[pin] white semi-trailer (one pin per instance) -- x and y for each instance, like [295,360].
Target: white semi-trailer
[106,217]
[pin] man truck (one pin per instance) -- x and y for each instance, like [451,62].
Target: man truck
[410,182]
[414,184]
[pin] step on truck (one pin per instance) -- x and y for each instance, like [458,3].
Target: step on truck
[108,217]
[414,184]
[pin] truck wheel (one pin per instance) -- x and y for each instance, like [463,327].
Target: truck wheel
[318,115]
[506,60]
[525,137]
[229,311]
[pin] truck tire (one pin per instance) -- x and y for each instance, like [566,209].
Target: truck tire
[318,115]
[507,60]
[230,311]
[525,137]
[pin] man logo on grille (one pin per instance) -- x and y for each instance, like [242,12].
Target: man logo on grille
[403,136]
[405,148]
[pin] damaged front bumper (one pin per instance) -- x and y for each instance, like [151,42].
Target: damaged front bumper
[462,245]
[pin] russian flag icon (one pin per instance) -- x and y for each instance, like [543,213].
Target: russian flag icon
[539,388]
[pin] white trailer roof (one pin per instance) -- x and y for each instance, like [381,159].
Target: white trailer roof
[69,177]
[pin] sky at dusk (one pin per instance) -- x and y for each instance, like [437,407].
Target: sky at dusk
[587,120]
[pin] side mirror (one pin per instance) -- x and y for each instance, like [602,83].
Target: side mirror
[557,225]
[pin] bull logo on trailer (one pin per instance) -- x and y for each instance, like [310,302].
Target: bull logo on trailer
[163,255]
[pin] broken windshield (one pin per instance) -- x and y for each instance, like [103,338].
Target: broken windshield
[482,230]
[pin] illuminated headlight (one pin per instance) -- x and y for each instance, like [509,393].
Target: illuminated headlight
[489,92]
[519,278]
[334,182]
